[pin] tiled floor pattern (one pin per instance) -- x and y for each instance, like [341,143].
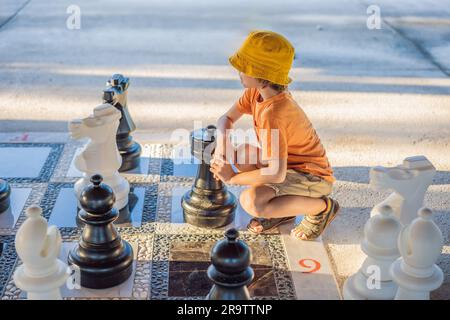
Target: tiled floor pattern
[171,257]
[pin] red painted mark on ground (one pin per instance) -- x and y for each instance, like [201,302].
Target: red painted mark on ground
[23,137]
[316,265]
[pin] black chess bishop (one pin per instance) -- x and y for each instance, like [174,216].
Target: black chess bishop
[230,270]
[208,204]
[104,259]
[116,94]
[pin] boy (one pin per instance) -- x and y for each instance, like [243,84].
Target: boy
[292,174]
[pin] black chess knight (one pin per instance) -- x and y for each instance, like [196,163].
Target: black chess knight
[5,192]
[116,94]
[230,270]
[104,259]
[208,204]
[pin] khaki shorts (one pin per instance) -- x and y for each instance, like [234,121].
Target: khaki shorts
[302,184]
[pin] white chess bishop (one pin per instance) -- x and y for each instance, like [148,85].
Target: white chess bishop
[409,183]
[101,154]
[420,245]
[38,246]
[373,280]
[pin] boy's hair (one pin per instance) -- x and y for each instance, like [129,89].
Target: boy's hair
[274,86]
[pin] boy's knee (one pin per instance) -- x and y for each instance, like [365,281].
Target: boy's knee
[250,203]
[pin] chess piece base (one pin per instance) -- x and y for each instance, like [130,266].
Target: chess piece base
[42,288]
[212,210]
[356,288]
[415,288]
[101,271]
[227,287]
[130,154]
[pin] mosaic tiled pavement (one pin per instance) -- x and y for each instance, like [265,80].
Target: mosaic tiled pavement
[171,257]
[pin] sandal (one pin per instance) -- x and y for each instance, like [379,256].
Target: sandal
[312,226]
[268,224]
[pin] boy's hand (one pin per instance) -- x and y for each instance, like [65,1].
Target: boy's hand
[222,170]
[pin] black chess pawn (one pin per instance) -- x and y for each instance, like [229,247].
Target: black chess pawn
[208,204]
[116,94]
[5,192]
[104,259]
[125,214]
[230,270]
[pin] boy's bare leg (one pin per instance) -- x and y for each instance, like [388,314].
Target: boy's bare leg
[260,201]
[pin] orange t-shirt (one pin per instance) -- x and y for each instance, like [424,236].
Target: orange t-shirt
[296,137]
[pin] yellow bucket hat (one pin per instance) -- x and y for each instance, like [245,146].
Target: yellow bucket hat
[266,55]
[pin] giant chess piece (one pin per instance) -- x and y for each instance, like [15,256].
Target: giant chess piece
[409,183]
[420,245]
[104,259]
[5,192]
[116,94]
[230,270]
[100,155]
[373,281]
[38,246]
[208,204]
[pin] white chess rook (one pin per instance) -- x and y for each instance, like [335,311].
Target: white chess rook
[38,246]
[100,155]
[420,245]
[409,183]
[373,281]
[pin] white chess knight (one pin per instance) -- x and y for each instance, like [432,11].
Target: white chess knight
[409,181]
[373,281]
[100,155]
[420,245]
[38,246]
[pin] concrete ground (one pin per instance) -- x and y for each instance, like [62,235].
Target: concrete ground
[374,96]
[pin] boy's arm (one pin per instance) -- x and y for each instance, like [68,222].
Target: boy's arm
[275,172]
[224,123]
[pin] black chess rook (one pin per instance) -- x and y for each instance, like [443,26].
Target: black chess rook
[104,259]
[230,270]
[5,192]
[116,94]
[208,204]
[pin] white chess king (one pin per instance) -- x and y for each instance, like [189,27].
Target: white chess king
[373,281]
[420,245]
[409,183]
[101,154]
[38,246]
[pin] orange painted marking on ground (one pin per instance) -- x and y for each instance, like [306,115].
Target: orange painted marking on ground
[313,268]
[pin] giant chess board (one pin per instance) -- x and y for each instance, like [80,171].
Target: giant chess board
[171,257]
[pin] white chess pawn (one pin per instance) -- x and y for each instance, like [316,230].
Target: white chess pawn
[42,273]
[373,281]
[101,154]
[420,245]
[409,183]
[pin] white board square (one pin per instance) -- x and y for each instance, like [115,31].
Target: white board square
[23,162]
